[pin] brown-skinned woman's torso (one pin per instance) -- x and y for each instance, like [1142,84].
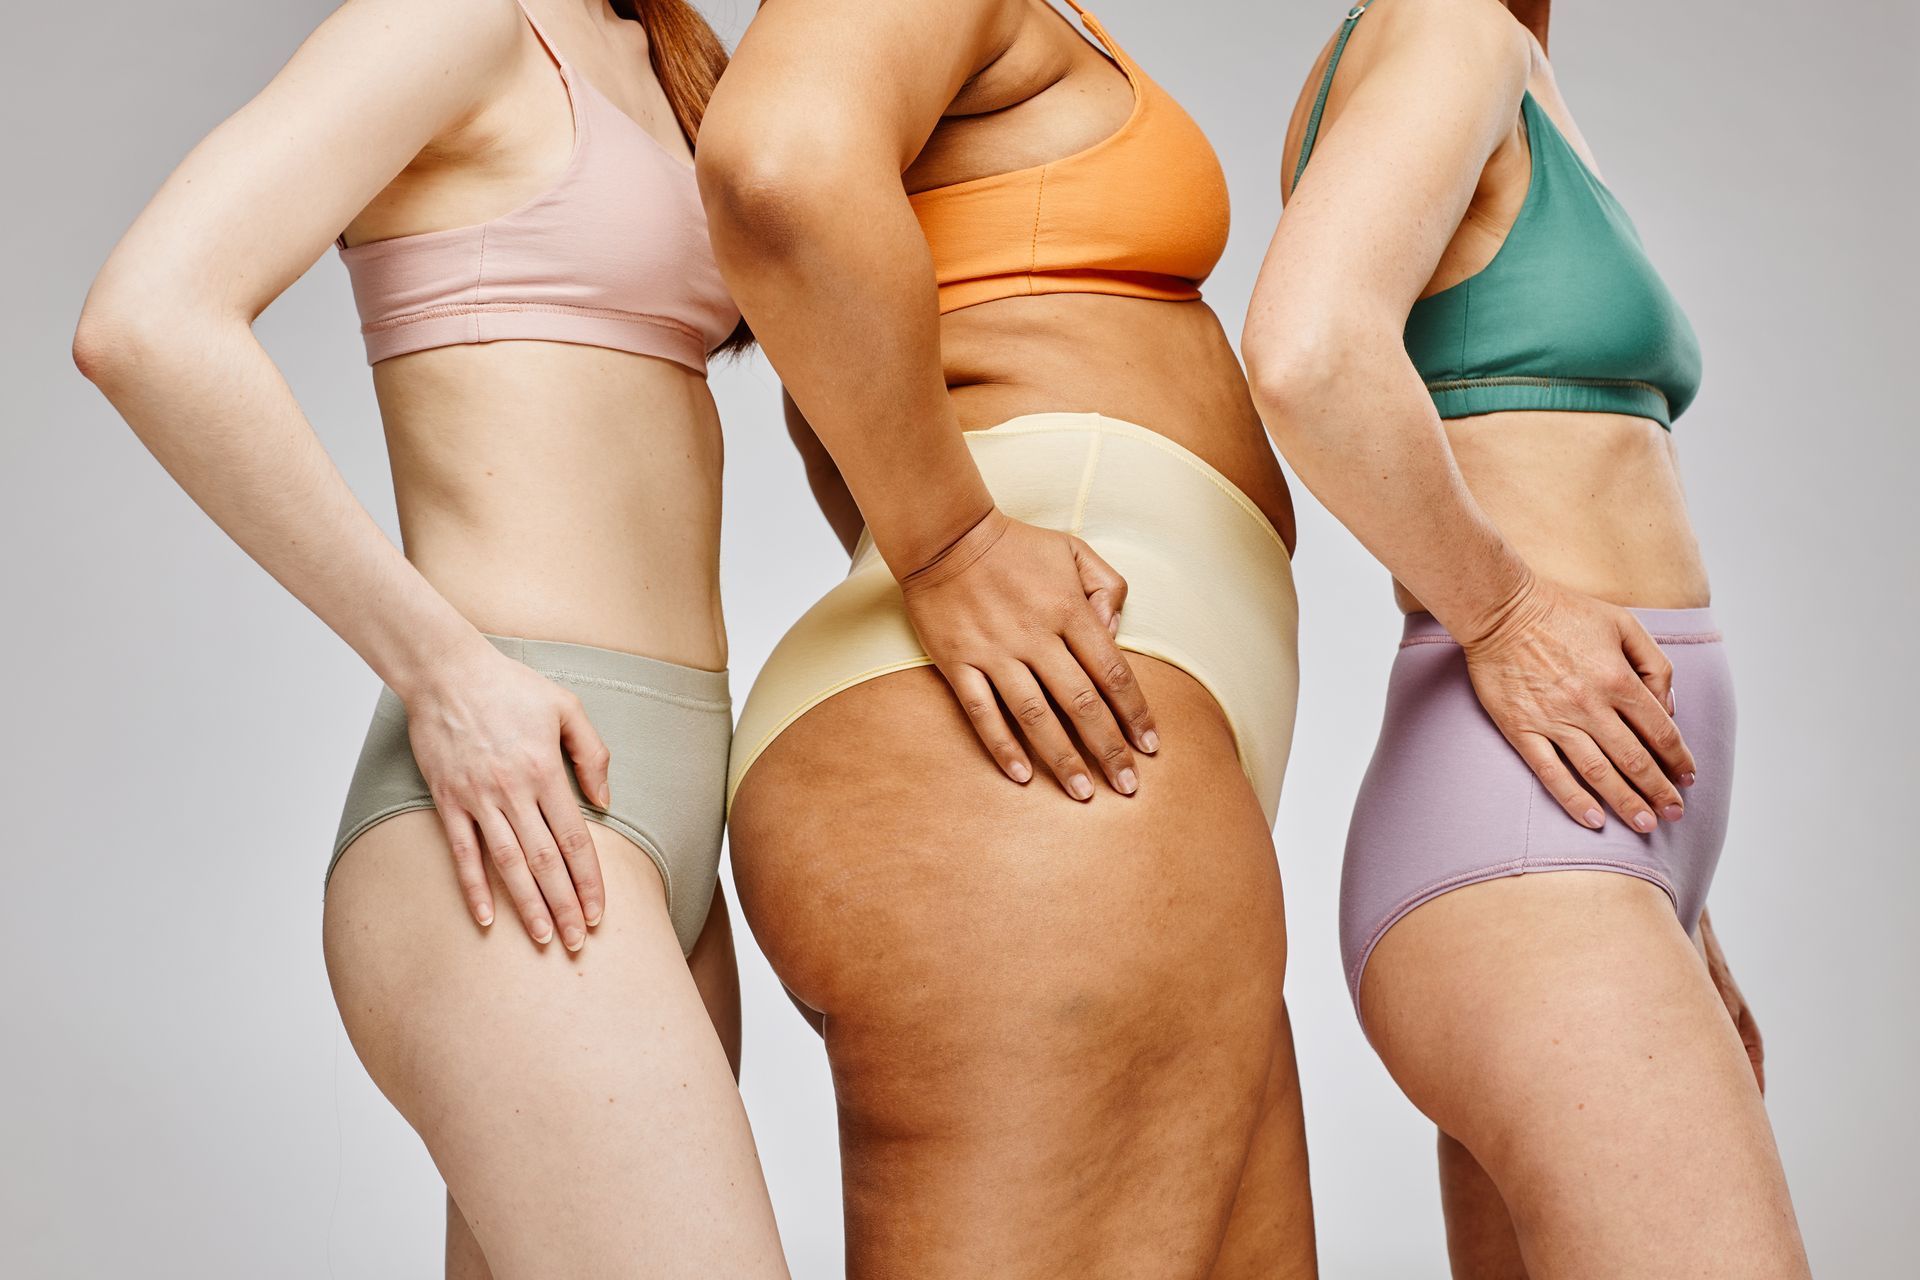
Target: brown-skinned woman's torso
[1164,365]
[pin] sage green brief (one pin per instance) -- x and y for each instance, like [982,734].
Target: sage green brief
[667,728]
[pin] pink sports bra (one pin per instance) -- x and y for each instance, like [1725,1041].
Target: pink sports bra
[614,255]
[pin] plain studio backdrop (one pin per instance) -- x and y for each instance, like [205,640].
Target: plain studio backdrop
[177,732]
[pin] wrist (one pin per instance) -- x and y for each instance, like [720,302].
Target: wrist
[1505,600]
[437,660]
[961,543]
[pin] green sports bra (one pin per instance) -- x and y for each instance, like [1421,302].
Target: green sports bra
[1569,315]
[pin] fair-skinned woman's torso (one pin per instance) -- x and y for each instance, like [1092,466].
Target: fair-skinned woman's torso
[1591,500]
[1164,365]
[552,490]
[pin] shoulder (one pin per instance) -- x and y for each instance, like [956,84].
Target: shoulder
[1480,36]
[446,33]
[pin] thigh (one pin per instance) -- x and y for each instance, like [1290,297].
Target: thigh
[1563,1028]
[1052,1026]
[1269,1234]
[578,1106]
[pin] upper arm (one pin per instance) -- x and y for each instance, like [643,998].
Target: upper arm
[1396,164]
[261,197]
[819,85]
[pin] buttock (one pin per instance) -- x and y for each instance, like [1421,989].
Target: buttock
[1209,585]
[1446,802]
[667,730]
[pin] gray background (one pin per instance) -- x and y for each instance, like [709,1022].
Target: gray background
[176,1095]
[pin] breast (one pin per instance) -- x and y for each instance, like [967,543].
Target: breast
[616,254]
[1143,213]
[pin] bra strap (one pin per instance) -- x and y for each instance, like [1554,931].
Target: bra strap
[1326,84]
[540,34]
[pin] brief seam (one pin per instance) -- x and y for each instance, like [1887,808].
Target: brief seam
[646,691]
[1079,518]
[1691,637]
[1491,871]
[618,825]
[788,722]
[1153,439]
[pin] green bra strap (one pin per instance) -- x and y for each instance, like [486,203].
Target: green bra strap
[1326,83]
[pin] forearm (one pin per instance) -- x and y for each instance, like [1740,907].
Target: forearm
[1358,428]
[834,274]
[209,403]
[830,492]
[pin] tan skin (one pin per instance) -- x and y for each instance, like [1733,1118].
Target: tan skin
[1057,1051]
[574,1095]
[1582,1134]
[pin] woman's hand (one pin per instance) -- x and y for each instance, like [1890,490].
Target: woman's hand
[1030,614]
[493,739]
[1737,1007]
[1564,675]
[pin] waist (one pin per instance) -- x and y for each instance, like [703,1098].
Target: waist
[563,493]
[1167,365]
[1592,501]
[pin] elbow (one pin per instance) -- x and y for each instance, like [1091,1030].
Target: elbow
[135,320]
[769,193]
[108,341]
[1299,373]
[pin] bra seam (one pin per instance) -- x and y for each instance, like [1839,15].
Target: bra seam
[545,308]
[1033,246]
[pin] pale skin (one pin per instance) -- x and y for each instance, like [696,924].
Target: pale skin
[1057,1049]
[1599,1110]
[575,1095]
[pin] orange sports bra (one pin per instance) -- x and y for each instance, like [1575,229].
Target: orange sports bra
[1140,214]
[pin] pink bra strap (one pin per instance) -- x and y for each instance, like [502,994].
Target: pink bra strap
[541,34]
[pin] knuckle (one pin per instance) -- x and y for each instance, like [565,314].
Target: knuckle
[576,841]
[544,859]
[1595,770]
[977,708]
[1115,755]
[1032,711]
[1087,703]
[505,854]
[1635,760]
[1118,675]
[1066,762]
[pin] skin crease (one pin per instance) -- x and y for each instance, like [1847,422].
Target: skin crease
[1582,1132]
[534,481]
[1057,1051]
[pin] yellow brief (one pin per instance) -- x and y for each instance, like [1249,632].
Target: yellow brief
[1209,585]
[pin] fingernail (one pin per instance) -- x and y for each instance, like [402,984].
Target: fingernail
[1594,818]
[486,917]
[1081,788]
[1686,779]
[1673,813]
[1644,821]
[1149,741]
[1128,782]
[575,939]
[542,933]
[594,919]
[1019,771]
[1670,703]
